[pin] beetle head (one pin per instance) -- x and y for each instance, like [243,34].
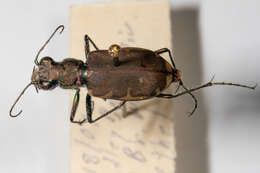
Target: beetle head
[42,77]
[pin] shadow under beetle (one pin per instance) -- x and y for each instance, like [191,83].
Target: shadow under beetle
[126,74]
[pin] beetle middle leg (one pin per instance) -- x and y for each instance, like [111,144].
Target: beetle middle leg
[74,108]
[163,50]
[90,110]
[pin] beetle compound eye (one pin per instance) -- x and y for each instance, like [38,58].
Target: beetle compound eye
[47,61]
[114,50]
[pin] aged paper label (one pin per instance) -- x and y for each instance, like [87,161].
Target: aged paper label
[139,137]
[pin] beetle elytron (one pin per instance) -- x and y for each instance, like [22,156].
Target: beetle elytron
[126,74]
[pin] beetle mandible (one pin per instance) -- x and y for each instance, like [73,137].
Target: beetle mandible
[125,74]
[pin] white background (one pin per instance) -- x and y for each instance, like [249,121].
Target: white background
[221,37]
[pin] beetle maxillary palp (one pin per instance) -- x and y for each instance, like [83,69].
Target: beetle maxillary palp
[114,51]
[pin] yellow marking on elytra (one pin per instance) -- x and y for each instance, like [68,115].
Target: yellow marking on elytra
[90,92]
[108,95]
[129,97]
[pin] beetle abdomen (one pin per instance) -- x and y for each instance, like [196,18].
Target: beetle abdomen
[141,74]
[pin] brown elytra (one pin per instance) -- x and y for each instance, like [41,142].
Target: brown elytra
[142,74]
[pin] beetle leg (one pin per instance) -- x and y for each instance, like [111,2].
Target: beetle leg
[208,84]
[74,108]
[169,96]
[187,91]
[163,50]
[87,50]
[90,110]
[87,40]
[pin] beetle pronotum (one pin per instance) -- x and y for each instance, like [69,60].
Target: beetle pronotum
[126,74]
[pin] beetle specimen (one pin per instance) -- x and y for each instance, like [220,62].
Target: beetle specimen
[125,74]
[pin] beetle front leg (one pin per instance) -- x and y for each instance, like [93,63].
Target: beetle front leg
[163,50]
[74,108]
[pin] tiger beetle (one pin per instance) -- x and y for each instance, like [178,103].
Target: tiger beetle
[125,74]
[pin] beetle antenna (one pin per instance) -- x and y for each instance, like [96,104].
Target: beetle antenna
[36,58]
[15,115]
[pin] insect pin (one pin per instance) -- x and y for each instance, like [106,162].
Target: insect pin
[125,74]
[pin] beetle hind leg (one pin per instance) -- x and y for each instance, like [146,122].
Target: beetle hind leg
[89,109]
[163,50]
[187,91]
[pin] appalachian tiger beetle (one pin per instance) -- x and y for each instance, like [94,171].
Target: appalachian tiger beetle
[125,74]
